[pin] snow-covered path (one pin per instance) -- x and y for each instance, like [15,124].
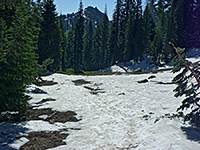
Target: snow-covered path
[121,116]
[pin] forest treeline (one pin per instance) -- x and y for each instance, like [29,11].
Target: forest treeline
[132,33]
[32,33]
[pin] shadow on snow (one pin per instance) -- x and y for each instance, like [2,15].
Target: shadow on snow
[9,133]
[192,134]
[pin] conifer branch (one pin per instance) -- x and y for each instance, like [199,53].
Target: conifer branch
[186,64]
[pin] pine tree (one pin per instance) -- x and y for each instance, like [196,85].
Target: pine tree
[17,62]
[171,31]
[139,31]
[70,50]
[125,13]
[129,51]
[159,40]
[88,47]
[97,48]
[149,26]
[115,52]
[196,29]
[105,39]
[191,20]
[78,39]
[63,44]
[49,45]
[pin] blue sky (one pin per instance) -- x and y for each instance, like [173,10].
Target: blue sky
[69,6]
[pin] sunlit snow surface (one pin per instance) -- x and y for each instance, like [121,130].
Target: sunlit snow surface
[115,119]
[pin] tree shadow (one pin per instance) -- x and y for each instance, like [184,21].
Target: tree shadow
[36,91]
[9,133]
[192,134]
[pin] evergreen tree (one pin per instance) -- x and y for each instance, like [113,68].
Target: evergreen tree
[159,40]
[129,39]
[115,52]
[129,51]
[97,48]
[171,31]
[139,31]
[149,26]
[78,39]
[191,21]
[63,44]
[17,58]
[125,13]
[49,45]
[70,50]
[88,47]
[105,39]
[196,29]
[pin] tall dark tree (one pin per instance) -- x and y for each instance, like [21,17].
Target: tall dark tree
[63,44]
[139,31]
[129,39]
[159,40]
[129,51]
[97,48]
[114,35]
[171,31]
[149,26]
[105,39]
[19,32]
[88,47]
[78,39]
[191,20]
[125,13]
[70,50]
[49,45]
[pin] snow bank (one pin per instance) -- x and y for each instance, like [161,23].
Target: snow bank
[146,65]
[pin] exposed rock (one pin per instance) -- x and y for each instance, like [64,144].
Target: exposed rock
[152,77]
[143,81]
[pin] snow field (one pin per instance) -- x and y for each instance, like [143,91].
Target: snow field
[115,120]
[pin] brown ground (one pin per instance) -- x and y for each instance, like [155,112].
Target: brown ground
[80,82]
[45,83]
[45,140]
[53,116]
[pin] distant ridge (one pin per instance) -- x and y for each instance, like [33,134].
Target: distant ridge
[90,13]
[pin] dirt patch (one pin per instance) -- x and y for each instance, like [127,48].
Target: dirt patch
[44,140]
[45,83]
[94,91]
[80,82]
[51,116]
